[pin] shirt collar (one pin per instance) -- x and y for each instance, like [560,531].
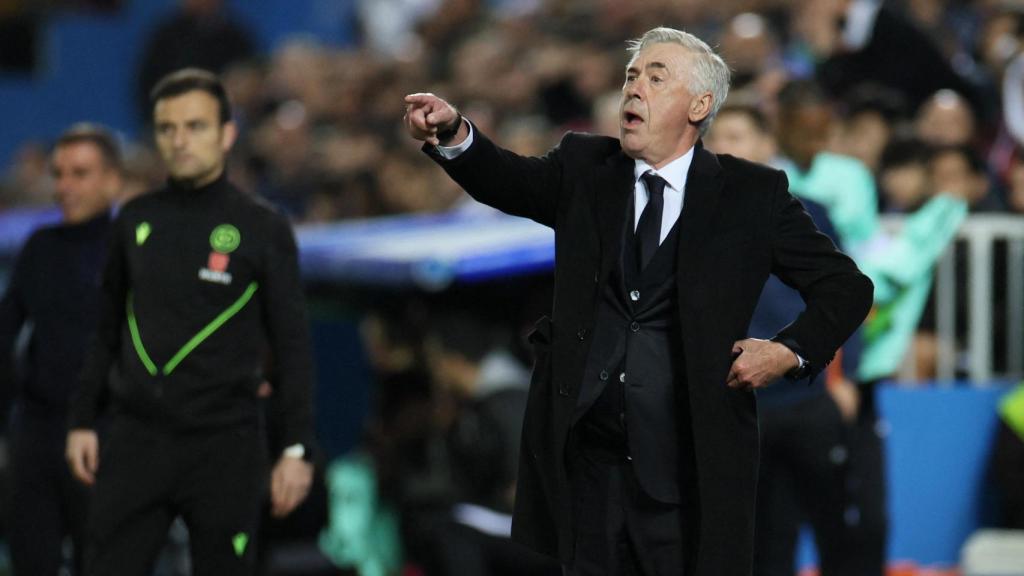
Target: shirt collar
[674,172]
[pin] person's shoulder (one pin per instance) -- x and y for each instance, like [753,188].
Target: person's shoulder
[260,210]
[256,205]
[588,145]
[39,238]
[840,165]
[741,167]
[144,202]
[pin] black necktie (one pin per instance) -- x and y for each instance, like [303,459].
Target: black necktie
[648,231]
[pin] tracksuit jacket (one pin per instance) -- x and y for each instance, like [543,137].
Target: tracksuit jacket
[200,284]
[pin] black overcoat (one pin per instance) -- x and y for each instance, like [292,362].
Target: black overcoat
[738,225]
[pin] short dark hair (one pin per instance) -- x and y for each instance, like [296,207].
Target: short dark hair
[903,151]
[802,93]
[753,113]
[187,80]
[97,135]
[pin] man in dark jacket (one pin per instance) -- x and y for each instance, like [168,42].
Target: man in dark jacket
[202,279]
[640,441]
[53,288]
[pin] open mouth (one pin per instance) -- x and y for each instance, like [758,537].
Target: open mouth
[631,119]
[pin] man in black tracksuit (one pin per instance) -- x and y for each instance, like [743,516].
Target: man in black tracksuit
[53,288]
[202,280]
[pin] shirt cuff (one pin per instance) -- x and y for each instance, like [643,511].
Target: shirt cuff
[453,152]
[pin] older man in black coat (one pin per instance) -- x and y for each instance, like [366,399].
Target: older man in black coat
[640,444]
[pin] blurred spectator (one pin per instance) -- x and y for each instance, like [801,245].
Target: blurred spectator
[840,183]
[741,130]
[1001,36]
[199,34]
[856,41]
[283,144]
[873,115]
[903,175]
[750,46]
[946,118]
[960,172]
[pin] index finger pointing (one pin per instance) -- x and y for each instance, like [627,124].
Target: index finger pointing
[419,98]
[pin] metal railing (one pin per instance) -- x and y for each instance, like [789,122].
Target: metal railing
[974,354]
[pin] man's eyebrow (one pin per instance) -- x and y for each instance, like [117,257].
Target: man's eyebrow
[659,65]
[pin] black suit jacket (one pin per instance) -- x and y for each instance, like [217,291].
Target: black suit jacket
[739,224]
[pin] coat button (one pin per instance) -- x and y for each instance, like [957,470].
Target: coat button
[597,277]
[635,326]
[603,376]
[622,377]
[581,334]
[634,295]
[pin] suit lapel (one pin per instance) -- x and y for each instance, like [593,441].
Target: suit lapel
[614,182]
[703,186]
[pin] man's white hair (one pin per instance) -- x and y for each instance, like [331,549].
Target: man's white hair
[709,73]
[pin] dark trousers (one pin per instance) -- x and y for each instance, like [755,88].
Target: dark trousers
[620,530]
[216,481]
[46,503]
[817,468]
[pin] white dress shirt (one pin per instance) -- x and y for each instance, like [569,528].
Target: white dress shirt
[674,174]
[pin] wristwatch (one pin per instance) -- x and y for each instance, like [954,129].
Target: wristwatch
[802,369]
[446,135]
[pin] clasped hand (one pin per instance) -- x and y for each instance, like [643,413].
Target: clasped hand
[757,363]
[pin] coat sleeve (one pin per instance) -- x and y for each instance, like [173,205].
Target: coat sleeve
[837,296]
[106,343]
[283,305]
[530,187]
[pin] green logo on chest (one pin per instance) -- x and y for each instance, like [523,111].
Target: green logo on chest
[239,542]
[142,232]
[225,238]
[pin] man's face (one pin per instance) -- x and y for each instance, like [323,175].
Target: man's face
[191,138]
[659,113]
[736,133]
[84,183]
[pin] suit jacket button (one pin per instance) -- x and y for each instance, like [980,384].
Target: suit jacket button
[603,376]
[581,334]
[597,277]
[634,295]
[635,326]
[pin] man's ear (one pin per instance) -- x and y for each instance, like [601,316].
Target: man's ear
[700,107]
[229,133]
